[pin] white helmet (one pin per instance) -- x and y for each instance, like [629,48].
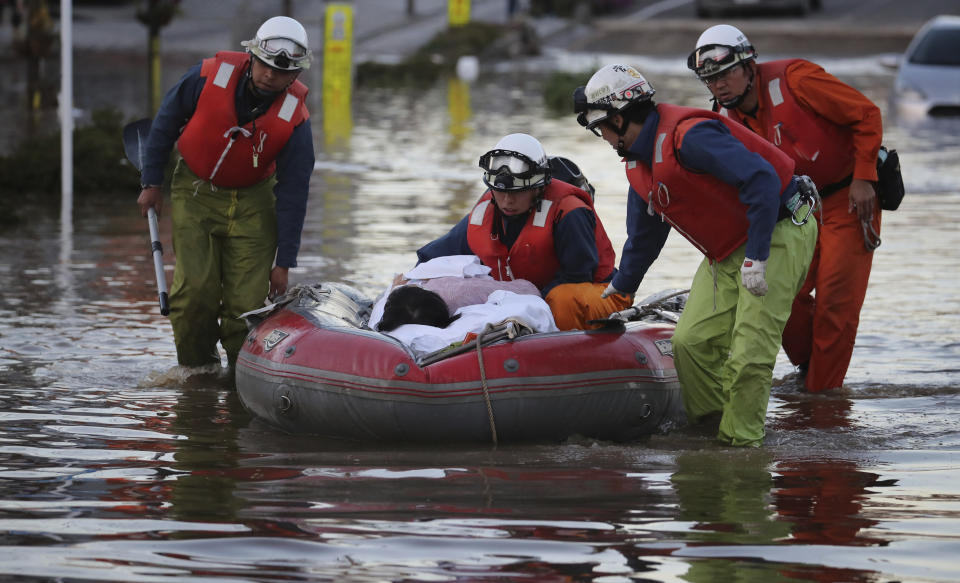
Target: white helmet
[719,48]
[610,90]
[281,42]
[517,162]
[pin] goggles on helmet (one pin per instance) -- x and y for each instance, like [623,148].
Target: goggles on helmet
[509,170]
[281,53]
[590,115]
[710,60]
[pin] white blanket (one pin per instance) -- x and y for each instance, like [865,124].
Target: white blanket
[449,266]
[533,311]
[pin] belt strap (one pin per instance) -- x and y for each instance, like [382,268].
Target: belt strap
[839,185]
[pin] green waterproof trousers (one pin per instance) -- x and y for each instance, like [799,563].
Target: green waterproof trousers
[726,342]
[225,242]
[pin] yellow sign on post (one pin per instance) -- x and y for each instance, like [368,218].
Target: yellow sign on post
[337,73]
[458,12]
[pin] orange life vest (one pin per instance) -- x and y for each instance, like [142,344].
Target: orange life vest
[822,149]
[215,148]
[701,207]
[533,256]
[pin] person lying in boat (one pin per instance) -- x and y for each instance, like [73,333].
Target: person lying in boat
[412,304]
[448,300]
[532,224]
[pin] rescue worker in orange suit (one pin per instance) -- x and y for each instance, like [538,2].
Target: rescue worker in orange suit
[533,225]
[833,133]
[239,190]
[736,198]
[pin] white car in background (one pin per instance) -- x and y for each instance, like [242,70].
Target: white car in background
[928,79]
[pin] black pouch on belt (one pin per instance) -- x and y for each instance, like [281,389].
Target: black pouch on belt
[889,179]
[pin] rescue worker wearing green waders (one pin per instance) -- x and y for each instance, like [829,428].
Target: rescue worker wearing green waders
[239,188]
[735,197]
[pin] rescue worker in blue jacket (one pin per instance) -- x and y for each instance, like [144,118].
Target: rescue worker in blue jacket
[533,225]
[735,197]
[239,189]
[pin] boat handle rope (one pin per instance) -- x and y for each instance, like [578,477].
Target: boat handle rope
[483,382]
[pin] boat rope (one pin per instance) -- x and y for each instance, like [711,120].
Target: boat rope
[483,382]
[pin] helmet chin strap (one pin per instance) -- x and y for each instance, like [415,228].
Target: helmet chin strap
[621,148]
[258,93]
[738,100]
[621,131]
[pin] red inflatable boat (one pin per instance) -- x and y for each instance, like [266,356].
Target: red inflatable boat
[312,367]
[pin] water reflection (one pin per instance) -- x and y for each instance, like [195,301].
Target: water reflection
[802,411]
[206,465]
[726,495]
[822,500]
[737,500]
[458,108]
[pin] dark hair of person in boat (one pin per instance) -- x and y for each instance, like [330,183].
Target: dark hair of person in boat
[411,304]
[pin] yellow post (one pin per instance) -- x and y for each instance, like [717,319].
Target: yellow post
[337,73]
[458,12]
[156,70]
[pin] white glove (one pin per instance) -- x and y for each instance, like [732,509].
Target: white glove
[752,273]
[610,291]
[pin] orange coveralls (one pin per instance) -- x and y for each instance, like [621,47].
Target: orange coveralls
[822,329]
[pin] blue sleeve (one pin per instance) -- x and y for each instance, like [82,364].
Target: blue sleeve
[175,111]
[453,243]
[646,236]
[294,168]
[710,147]
[576,248]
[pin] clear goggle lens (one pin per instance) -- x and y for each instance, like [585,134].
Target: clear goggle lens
[507,170]
[498,162]
[277,46]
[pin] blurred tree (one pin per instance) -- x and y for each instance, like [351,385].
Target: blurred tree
[155,15]
[32,169]
[35,46]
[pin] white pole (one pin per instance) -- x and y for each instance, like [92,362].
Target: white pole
[66,111]
[66,146]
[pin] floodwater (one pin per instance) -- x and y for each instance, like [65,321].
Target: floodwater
[116,467]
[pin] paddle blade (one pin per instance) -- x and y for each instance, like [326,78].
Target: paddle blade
[134,140]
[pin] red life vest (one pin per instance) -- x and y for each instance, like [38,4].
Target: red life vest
[822,149]
[219,151]
[533,256]
[701,207]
